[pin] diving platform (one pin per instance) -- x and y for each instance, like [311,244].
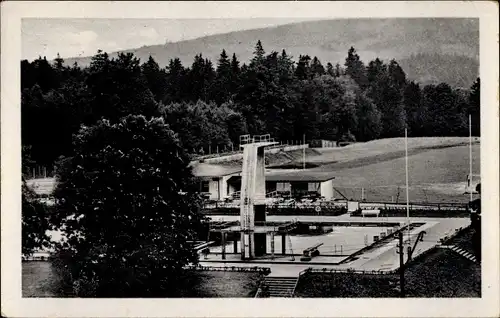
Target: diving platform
[253,194]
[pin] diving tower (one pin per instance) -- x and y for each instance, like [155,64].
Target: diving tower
[253,194]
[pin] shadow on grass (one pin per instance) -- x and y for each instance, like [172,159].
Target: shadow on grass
[441,273]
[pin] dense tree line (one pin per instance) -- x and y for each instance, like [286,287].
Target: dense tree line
[209,105]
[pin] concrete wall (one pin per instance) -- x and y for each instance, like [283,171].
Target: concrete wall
[287,148]
[327,189]
[237,156]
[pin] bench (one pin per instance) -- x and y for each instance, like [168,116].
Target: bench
[374,212]
[312,251]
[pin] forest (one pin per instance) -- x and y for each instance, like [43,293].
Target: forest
[209,105]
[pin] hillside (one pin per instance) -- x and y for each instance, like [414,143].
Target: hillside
[329,40]
[455,70]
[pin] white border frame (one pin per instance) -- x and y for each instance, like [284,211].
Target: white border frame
[15,306]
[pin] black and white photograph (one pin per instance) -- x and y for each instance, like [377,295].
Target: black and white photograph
[256,157]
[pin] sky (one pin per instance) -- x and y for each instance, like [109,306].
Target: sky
[83,37]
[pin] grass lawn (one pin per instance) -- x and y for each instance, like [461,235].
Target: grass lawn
[40,280]
[220,284]
[437,175]
[442,273]
[463,240]
[374,148]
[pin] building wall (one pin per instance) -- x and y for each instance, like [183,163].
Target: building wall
[213,188]
[283,186]
[223,187]
[219,188]
[328,144]
[327,189]
[314,186]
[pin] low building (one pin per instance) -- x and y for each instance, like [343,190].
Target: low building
[222,181]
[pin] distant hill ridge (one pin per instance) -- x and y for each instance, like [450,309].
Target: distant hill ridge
[419,45]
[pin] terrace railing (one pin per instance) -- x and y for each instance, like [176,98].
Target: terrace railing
[254,269]
[350,271]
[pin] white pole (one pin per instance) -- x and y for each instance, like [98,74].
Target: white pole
[407,197]
[304,152]
[470,156]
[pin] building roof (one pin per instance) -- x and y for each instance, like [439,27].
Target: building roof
[299,175]
[207,170]
[202,170]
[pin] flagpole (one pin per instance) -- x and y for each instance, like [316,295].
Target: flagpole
[407,197]
[470,156]
[304,152]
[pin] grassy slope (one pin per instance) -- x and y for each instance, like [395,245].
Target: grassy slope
[330,40]
[463,240]
[443,273]
[382,147]
[437,169]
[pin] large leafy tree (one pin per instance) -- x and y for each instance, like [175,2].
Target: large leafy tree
[35,216]
[126,206]
[445,108]
[368,116]
[35,221]
[205,126]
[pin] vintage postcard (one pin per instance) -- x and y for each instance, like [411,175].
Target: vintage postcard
[250,159]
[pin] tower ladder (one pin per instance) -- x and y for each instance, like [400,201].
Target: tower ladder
[291,248]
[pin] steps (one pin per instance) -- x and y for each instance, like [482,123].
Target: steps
[464,253]
[280,286]
[461,252]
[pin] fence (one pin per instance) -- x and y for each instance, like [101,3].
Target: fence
[455,192]
[311,210]
[254,269]
[38,172]
[349,271]
[387,209]
[417,209]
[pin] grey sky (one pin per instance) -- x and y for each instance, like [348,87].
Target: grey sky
[83,37]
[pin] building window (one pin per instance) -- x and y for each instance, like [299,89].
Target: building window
[205,186]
